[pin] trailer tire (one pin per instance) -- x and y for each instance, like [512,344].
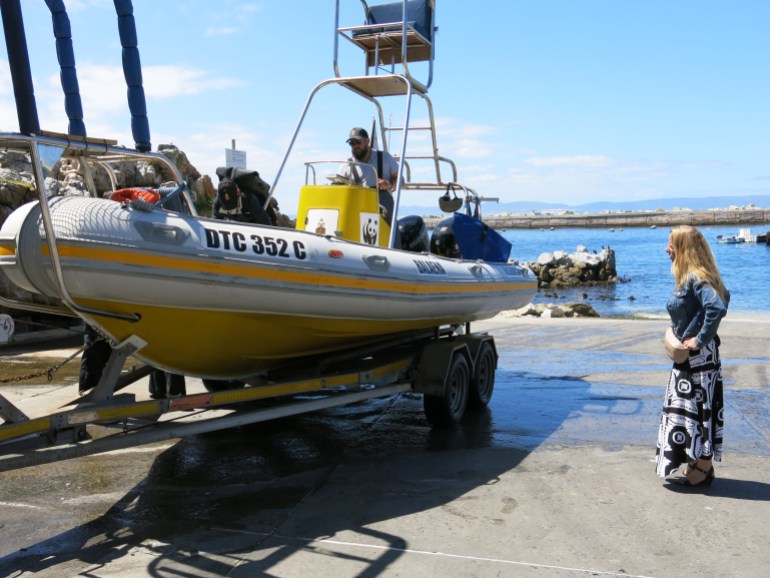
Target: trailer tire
[448,410]
[483,382]
[215,385]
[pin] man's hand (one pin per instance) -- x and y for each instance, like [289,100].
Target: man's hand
[384,185]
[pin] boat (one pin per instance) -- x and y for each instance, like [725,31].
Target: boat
[729,239]
[148,273]
[743,236]
[223,299]
[747,237]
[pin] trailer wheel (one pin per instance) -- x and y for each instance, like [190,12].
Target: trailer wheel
[215,385]
[447,410]
[483,382]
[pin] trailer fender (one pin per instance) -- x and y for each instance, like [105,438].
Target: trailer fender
[474,343]
[434,364]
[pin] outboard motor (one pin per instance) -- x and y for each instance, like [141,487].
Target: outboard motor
[443,241]
[413,234]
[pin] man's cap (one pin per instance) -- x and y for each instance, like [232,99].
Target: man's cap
[357,133]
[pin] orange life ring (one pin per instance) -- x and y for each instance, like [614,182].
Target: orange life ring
[128,195]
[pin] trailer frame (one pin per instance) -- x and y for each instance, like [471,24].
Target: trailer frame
[106,420]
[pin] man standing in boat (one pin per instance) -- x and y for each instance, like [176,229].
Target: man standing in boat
[372,168]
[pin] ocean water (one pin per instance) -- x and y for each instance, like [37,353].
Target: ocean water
[645,270]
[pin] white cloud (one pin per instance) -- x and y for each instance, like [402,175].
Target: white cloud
[9,121]
[459,129]
[220,31]
[103,88]
[469,148]
[458,139]
[576,161]
[228,19]
[170,81]
[584,178]
[251,8]
[205,147]
[6,86]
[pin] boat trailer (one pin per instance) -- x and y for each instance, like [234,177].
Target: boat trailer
[454,372]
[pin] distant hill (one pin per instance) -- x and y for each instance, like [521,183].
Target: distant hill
[702,203]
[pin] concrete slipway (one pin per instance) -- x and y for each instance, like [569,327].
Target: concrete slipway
[555,479]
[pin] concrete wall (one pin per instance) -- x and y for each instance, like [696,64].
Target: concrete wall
[630,219]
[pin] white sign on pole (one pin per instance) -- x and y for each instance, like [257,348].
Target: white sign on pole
[235,158]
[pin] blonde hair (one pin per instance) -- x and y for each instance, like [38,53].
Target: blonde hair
[693,256]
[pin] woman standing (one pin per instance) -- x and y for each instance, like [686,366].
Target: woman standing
[691,425]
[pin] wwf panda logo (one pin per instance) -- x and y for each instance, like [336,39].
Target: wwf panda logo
[369,231]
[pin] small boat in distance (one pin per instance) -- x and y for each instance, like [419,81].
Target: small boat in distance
[743,236]
[729,239]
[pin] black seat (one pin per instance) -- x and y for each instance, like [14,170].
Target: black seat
[396,33]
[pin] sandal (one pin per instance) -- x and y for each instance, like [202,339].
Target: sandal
[704,482]
[689,468]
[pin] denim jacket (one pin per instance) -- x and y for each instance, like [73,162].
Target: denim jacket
[696,310]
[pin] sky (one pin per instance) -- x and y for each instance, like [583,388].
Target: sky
[563,101]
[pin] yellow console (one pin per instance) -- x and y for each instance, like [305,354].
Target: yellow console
[346,211]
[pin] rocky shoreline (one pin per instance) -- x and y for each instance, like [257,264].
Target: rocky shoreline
[552,311]
[559,270]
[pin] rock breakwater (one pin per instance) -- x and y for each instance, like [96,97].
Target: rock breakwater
[561,269]
[747,215]
[658,218]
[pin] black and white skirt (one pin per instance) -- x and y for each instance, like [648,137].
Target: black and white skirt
[693,410]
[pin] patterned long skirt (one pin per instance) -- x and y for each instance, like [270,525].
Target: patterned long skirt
[693,410]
